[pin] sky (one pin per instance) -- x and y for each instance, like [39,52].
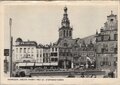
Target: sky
[40,23]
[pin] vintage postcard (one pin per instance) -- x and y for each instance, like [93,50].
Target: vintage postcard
[60,43]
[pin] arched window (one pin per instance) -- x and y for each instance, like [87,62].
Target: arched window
[67,33]
[64,33]
[70,33]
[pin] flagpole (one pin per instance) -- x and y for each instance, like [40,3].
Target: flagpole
[10,24]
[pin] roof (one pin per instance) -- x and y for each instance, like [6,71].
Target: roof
[112,15]
[18,40]
[40,46]
[27,43]
[90,38]
[69,42]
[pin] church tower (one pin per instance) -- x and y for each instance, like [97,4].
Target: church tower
[65,31]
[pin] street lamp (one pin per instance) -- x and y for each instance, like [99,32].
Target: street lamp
[11,41]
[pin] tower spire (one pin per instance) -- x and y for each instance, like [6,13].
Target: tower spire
[65,21]
[65,9]
[65,31]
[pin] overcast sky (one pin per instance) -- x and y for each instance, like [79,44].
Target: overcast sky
[40,23]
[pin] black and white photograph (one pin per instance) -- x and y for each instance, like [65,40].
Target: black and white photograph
[60,41]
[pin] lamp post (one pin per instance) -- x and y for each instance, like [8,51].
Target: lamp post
[11,39]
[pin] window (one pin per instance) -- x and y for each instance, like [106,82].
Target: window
[37,55]
[24,50]
[106,62]
[40,55]
[60,53]
[106,38]
[64,33]
[55,49]
[70,33]
[52,59]
[115,50]
[67,33]
[28,50]
[65,44]
[115,64]
[52,49]
[43,59]
[99,38]
[102,37]
[106,58]
[16,50]
[53,54]
[56,59]
[32,50]
[46,54]
[43,54]
[20,50]
[67,53]
[102,50]
[115,36]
